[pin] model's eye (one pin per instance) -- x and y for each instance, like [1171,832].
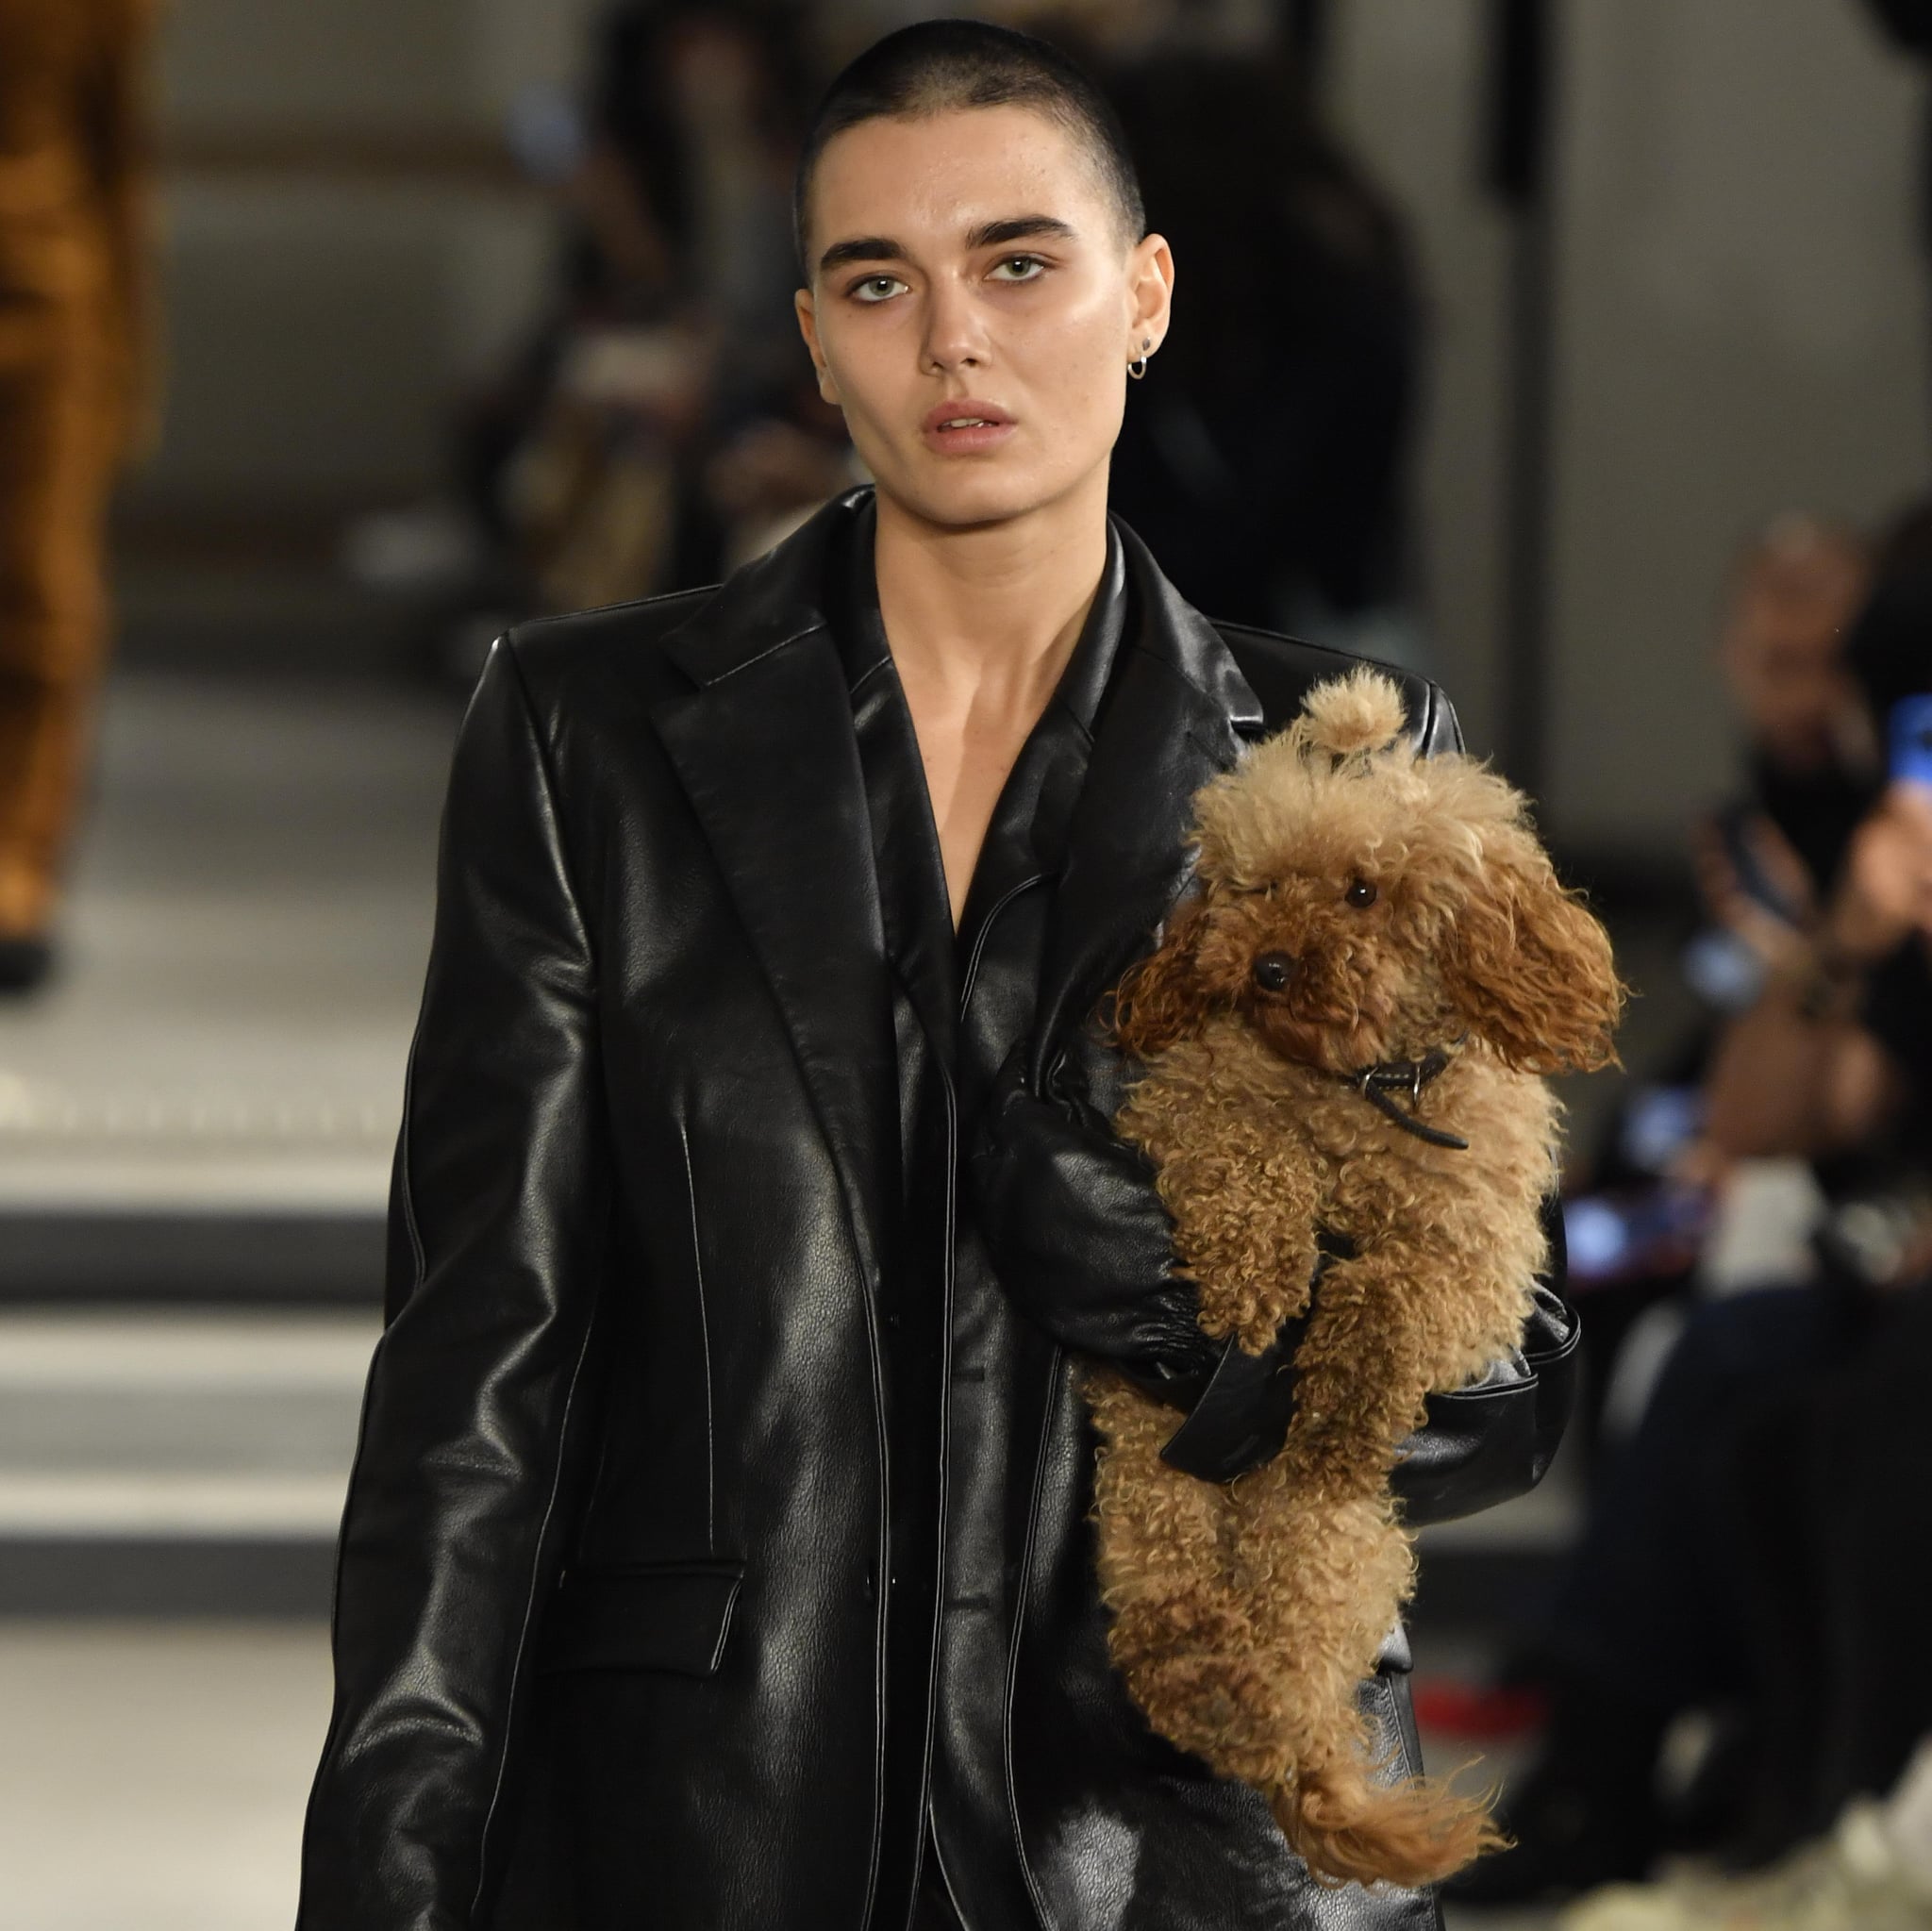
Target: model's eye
[1032,263]
[1362,893]
[1274,970]
[875,287]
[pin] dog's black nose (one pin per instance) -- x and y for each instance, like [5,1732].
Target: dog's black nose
[1274,970]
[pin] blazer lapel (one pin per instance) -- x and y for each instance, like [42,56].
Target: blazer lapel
[1175,713]
[765,748]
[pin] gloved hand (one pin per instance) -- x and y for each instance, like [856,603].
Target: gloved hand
[1080,1239]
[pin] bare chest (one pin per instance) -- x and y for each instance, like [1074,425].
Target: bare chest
[967,760]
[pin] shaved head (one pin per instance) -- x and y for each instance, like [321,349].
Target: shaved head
[940,66]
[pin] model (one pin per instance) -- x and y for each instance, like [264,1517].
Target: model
[718,1552]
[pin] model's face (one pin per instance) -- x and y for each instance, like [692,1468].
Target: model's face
[975,258]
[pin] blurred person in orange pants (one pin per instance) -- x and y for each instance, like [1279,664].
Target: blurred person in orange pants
[74,338]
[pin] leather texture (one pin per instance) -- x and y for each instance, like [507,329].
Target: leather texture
[673,1616]
[720,1522]
[1080,1239]
[1493,1439]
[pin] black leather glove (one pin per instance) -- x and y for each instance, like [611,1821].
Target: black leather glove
[1083,1245]
[1080,1239]
[1497,1436]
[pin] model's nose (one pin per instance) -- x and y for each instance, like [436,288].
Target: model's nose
[955,330]
[1274,970]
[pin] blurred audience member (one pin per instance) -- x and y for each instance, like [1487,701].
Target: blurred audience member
[1836,1562]
[662,424]
[679,338]
[1832,1051]
[1808,744]
[1641,1235]
[1767,1524]
[73,405]
[1263,458]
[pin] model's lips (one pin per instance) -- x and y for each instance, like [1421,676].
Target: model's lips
[965,425]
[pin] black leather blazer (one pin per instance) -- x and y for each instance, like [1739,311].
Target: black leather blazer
[649,1581]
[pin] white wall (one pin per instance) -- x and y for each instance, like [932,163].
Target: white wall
[1746,327]
[319,327]
[1405,83]
[1743,326]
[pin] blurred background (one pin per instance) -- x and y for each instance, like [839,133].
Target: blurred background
[1574,351]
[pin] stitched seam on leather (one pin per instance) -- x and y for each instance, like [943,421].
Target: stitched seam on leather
[866,675]
[1502,1391]
[697,1262]
[810,629]
[338,1709]
[553,817]
[1229,631]
[938,1857]
[420,1259]
[553,824]
[881,1567]
[724,1624]
[1561,1353]
[882,1596]
[516,1674]
[986,925]
[704,592]
[1326,650]
[1020,1589]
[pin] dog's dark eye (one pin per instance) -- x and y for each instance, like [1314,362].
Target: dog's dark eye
[1362,893]
[1274,970]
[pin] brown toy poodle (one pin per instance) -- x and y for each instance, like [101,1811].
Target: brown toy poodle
[1343,1034]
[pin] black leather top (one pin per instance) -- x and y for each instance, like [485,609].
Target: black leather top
[717,1501]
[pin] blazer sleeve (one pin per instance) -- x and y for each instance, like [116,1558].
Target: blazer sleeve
[464,1477]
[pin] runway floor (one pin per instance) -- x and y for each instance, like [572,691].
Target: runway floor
[152,1777]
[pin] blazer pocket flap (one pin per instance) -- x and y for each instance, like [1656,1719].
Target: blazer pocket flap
[674,1618]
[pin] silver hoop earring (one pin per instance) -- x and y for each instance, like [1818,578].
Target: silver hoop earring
[1138,367]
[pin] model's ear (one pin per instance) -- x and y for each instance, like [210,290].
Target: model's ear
[804,305]
[1163,999]
[1528,967]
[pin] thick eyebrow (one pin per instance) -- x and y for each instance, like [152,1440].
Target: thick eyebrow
[1021,227]
[1018,228]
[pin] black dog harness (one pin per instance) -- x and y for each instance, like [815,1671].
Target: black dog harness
[1378,1083]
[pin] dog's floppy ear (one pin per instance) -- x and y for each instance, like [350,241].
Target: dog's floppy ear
[1528,965]
[1163,998]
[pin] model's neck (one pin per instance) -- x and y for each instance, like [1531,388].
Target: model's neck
[1000,603]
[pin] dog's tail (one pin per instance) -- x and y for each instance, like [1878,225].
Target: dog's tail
[1349,1828]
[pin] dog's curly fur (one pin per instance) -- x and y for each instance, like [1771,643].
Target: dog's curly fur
[1415,908]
